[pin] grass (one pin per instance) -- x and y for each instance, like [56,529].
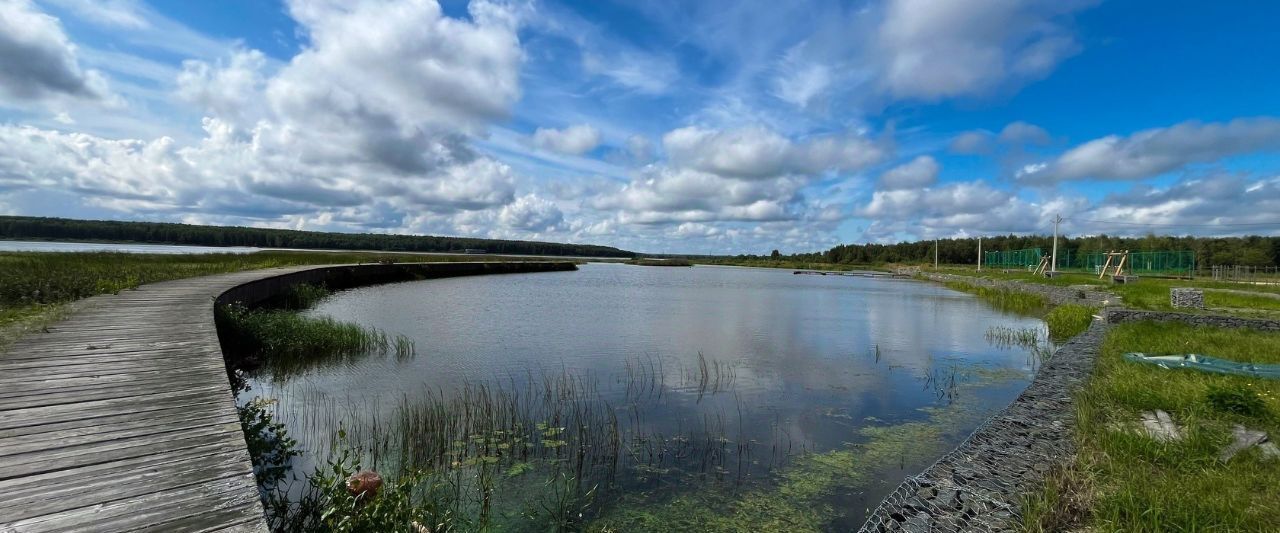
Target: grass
[1068,320]
[287,343]
[1153,293]
[1122,480]
[34,285]
[1004,299]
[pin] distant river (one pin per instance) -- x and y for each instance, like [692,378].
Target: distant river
[723,385]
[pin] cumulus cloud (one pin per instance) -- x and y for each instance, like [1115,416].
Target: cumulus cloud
[359,127]
[971,143]
[932,49]
[917,173]
[1157,151]
[573,140]
[230,89]
[758,153]
[531,213]
[37,60]
[1023,133]
[1196,204]
[664,195]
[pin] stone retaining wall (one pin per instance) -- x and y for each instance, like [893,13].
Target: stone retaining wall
[978,486]
[1056,295]
[1117,316]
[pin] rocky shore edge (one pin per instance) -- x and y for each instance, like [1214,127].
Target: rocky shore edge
[979,485]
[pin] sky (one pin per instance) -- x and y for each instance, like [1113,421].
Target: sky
[657,126]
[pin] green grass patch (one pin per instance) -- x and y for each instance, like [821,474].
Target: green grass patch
[1127,481]
[31,278]
[1068,320]
[286,342]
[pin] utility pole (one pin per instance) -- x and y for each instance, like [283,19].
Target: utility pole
[935,254]
[1056,220]
[979,254]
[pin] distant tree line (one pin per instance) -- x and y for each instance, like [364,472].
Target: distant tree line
[1209,251]
[66,229]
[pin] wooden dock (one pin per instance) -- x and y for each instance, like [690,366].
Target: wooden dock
[121,417]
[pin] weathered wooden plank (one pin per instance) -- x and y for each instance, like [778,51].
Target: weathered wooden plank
[131,384]
[143,402]
[85,480]
[236,495]
[87,435]
[192,405]
[100,452]
[87,489]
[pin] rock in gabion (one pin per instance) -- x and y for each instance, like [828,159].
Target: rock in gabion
[979,486]
[1193,298]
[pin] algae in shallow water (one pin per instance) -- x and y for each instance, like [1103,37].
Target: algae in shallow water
[803,497]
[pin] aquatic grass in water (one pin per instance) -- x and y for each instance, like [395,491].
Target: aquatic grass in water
[489,442]
[1004,299]
[288,343]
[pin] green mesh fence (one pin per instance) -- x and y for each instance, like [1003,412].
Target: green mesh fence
[1176,262]
[1029,257]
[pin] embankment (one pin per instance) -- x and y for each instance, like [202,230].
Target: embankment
[978,486]
[349,276]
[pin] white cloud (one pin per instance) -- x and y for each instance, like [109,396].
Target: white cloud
[640,148]
[1023,133]
[634,70]
[799,81]
[971,143]
[230,89]
[1193,205]
[660,195]
[917,173]
[1157,151]
[113,13]
[933,49]
[38,60]
[347,129]
[531,213]
[758,153]
[956,198]
[573,140]
[401,63]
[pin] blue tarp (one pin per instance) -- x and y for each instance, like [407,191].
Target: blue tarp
[1207,364]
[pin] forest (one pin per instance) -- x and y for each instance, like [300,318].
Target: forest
[65,229]
[1253,250]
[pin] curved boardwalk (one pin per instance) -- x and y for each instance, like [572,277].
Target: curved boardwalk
[121,418]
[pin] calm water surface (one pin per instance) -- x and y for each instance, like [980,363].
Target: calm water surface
[58,246]
[717,382]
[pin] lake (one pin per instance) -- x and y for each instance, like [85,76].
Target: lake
[61,246]
[657,398]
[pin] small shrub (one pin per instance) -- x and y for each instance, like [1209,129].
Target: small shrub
[1236,400]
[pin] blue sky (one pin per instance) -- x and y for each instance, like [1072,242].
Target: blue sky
[658,126]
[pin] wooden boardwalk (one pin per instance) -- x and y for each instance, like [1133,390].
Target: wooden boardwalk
[121,418]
